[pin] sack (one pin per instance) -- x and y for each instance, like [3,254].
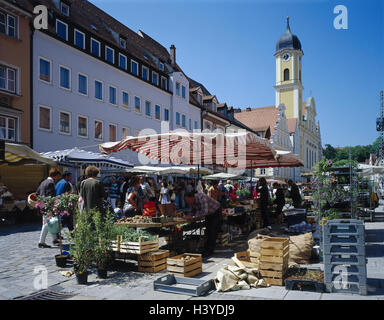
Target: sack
[53,225]
[254,244]
[300,248]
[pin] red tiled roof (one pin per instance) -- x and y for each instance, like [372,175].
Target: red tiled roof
[259,119]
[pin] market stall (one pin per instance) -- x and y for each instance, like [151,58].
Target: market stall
[20,174]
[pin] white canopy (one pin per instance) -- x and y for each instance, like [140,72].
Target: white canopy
[15,153]
[80,157]
[368,170]
[223,176]
[169,170]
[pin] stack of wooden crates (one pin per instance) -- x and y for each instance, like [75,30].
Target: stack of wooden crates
[185,265]
[153,261]
[274,258]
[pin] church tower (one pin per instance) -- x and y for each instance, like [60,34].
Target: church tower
[288,85]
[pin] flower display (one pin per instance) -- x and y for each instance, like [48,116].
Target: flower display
[57,206]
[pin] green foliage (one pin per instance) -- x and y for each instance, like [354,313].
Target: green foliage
[130,234]
[345,163]
[104,231]
[358,153]
[82,241]
[243,193]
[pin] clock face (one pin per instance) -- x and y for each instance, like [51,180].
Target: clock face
[286,56]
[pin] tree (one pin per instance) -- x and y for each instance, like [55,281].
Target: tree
[329,152]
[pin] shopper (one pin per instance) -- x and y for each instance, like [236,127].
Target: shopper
[113,192]
[205,206]
[264,202]
[181,193]
[165,198]
[279,201]
[229,187]
[47,189]
[64,185]
[295,194]
[213,191]
[92,190]
[131,206]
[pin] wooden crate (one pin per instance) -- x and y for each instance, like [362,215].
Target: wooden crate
[185,268]
[274,256]
[139,247]
[152,269]
[153,256]
[275,243]
[244,259]
[254,256]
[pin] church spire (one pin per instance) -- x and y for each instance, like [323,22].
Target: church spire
[288,28]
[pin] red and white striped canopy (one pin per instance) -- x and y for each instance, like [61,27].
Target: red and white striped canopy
[283,159]
[181,147]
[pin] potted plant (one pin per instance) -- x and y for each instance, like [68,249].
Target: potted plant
[104,232]
[82,245]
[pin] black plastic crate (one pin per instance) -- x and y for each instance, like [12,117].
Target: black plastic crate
[343,240]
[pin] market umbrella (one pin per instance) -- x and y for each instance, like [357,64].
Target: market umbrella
[223,176]
[197,148]
[283,159]
[168,170]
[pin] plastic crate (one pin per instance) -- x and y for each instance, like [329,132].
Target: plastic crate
[296,218]
[352,270]
[337,259]
[344,249]
[343,240]
[350,288]
[349,278]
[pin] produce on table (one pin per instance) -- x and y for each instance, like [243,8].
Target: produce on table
[131,235]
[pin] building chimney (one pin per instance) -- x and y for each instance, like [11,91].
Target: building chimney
[173,55]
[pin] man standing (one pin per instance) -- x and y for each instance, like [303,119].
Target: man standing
[92,190]
[205,206]
[47,189]
[295,194]
[264,202]
[181,194]
[114,192]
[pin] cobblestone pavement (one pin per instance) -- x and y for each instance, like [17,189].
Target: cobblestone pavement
[20,257]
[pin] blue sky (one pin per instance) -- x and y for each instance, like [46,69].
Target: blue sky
[228,45]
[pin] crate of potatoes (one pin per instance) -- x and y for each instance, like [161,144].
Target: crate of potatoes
[185,265]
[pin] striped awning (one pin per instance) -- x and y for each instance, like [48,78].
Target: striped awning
[283,159]
[197,148]
[15,153]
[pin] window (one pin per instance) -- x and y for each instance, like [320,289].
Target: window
[286,74]
[155,78]
[166,115]
[157,112]
[45,122]
[164,83]
[45,70]
[7,128]
[8,79]
[112,132]
[123,43]
[137,104]
[8,24]
[177,118]
[64,9]
[98,90]
[183,121]
[79,39]
[262,172]
[109,54]
[125,132]
[145,73]
[95,47]
[62,30]
[183,91]
[125,99]
[134,67]
[82,126]
[65,122]
[83,84]
[161,66]
[196,125]
[190,124]
[65,78]
[112,95]
[148,108]
[177,88]
[122,61]
[98,130]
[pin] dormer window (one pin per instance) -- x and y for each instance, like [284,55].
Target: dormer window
[161,66]
[123,43]
[64,8]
